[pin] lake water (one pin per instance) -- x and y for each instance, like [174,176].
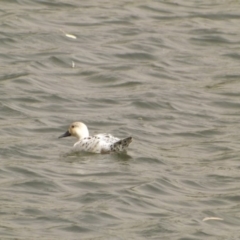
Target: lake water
[166,73]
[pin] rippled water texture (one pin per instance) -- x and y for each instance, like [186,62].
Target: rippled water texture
[166,73]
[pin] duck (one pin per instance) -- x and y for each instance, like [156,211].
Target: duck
[99,143]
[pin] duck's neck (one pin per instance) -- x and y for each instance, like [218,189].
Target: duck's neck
[84,133]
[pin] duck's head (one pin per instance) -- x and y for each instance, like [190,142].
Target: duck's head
[76,129]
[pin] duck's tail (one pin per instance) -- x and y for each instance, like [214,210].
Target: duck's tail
[121,145]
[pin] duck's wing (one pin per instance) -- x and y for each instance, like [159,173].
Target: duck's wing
[100,143]
[121,145]
[113,144]
[107,138]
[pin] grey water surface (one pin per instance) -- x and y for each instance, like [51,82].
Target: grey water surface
[166,73]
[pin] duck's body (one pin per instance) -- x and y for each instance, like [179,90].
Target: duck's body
[100,143]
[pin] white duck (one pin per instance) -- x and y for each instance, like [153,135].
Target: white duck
[100,143]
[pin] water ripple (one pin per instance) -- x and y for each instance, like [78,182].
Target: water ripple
[165,73]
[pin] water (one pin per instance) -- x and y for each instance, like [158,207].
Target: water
[165,72]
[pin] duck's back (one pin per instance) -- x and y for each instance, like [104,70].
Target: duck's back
[100,143]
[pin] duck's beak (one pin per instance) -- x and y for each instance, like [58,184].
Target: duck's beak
[66,134]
